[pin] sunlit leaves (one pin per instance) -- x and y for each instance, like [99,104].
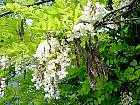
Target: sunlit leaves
[129,71]
[13,6]
[121,58]
[85,88]
[134,63]
[103,1]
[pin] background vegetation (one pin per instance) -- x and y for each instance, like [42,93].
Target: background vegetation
[119,48]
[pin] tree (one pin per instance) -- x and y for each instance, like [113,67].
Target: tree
[56,54]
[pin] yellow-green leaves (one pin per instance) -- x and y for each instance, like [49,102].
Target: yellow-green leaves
[134,63]
[42,25]
[133,72]
[13,6]
[129,71]
[9,6]
[103,1]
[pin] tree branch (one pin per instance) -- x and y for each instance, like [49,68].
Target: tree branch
[118,9]
[120,21]
[39,2]
[13,75]
[28,5]
[6,13]
[97,23]
[126,12]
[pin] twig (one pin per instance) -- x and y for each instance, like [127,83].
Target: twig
[39,2]
[28,5]
[127,12]
[13,75]
[97,23]
[6,13]
[120,21]
[118,9]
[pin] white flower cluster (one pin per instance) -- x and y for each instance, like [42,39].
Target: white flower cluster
[19,68]
[24,64]
[126,98]
[4,61]
[53,59]
[2,87]
[90,15]
[93,13]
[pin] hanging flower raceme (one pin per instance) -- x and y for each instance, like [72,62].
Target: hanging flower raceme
[19,68]
[53,59]
[90,15]
[4,61]
[2,86]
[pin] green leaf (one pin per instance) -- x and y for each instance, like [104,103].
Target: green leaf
[107,62]
[99,100]
[114,48]
[103,1]
[102,97]
[17,6]
[134,63]
[85,88]
[128,71]
[72,56]
[137,73]
[132,77]
[138,46]
[126,29]
[9,6]
[95,102]
[43,25]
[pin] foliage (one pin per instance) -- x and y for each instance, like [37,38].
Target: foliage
[119,48]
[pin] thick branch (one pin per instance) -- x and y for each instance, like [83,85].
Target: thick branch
[40,2]
[97,23]
[5,13]
[28,5]
[121,21]
[118,9]
[127,12]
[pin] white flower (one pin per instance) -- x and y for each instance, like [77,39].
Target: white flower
[42,50]
[46,89]
[34,78]
[51,90]
[47,96]
[52,74]
[29,22]
[56,59]
[48,79]
[62,74]
[40,84]
[77,27]
[51,65]
[4,61]
[37,87]
[2,87]
[70,37]
[54,43]
[1,93]
[16,16]
[89,3]
[57,97]
[88,27]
